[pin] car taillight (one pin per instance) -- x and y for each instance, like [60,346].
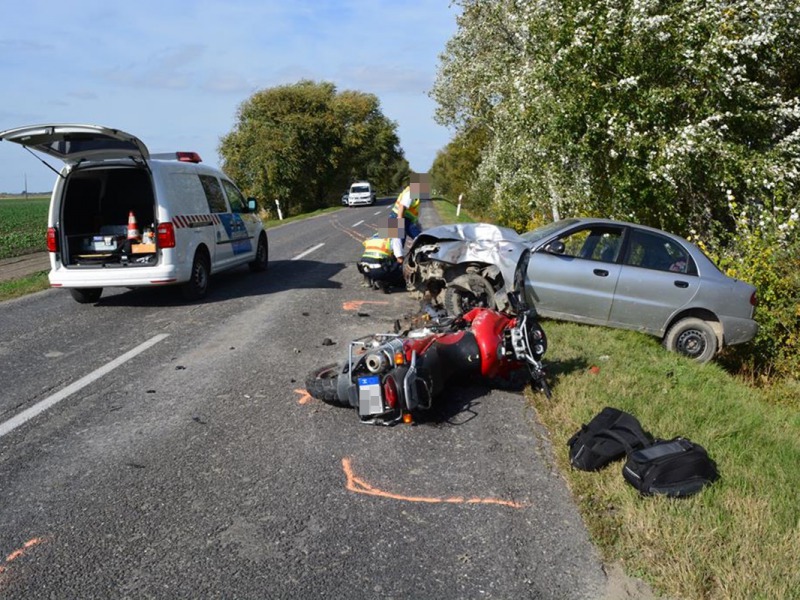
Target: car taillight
[52,239]
[390,391]
[753,299]
[166,235]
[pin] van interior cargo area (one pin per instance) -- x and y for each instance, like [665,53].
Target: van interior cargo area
[94,218]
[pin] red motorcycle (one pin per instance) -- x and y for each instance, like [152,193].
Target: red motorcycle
[391,377]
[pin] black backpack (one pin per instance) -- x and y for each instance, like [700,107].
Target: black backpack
[675,468]
[610,435]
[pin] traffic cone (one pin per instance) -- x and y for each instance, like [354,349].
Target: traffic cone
[133,227]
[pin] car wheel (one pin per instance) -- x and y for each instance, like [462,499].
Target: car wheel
[259,264]
[197,286]
[471,291]
[692,337]
[86,295]
[322,384]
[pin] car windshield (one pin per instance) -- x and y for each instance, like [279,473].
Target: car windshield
[545,230]
[359,189]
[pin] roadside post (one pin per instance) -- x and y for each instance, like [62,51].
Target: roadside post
[458,209]
[278,205]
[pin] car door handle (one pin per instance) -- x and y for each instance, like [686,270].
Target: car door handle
[681,284]
[601,272]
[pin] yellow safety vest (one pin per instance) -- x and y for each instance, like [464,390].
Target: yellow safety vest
[412,212]
[377,247]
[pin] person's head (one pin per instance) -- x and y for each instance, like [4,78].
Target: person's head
[395,228]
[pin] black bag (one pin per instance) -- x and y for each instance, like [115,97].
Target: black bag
[675,468]
[610,435]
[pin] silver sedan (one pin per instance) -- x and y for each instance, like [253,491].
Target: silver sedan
[594,271]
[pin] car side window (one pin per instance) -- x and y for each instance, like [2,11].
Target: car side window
[235,197]
[652,251]
[596,243]
[216,200]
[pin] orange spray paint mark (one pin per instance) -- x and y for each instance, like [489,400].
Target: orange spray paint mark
[359,486]
[305,397]
[19,552]
[357,304]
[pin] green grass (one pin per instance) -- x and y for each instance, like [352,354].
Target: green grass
[269,223]
[740,537]
[23,225]
[447,212]
[15,288]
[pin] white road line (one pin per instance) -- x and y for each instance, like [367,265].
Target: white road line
[379,212]
[27,414]
[309,251]
[359,223]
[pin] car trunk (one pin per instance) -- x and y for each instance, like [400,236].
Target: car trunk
[93,222]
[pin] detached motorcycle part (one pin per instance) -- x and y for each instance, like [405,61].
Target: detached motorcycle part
[467,292]
[322,384]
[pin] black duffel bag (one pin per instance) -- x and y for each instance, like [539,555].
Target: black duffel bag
[675,468]
[610,435]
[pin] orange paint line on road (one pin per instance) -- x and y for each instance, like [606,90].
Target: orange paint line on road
[20,552]
[305,397]
[356,236]
[357,304]
[359,486]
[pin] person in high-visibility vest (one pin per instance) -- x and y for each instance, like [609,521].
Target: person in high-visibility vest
[407,207]
[381,263]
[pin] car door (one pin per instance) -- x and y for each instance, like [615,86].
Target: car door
[574,276]
[240,223]
[222,252]
[658,278]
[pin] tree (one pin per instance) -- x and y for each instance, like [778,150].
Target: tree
[304,143]
[454,167]
[649,110]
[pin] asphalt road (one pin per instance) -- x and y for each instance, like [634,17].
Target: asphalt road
[200,468]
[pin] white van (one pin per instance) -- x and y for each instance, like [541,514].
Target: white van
[120,216]
[361,192]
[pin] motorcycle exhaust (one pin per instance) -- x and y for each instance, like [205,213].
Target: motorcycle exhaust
[376,362]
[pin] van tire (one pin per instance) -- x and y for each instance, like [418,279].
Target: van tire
[197,286]
[259,264]
[86,295]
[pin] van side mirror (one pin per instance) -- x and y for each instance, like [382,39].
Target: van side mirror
[252,205]
[555,247]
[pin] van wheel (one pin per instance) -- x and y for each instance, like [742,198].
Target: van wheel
[86,295]
[197,286]
[259,264]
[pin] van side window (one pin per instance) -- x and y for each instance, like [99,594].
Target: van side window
[216,200]
[235,197]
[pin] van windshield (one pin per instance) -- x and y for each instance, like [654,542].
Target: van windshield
[359,189]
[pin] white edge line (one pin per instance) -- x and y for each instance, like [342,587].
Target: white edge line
[309,251]
[41,406]
[359,223]
[379,212]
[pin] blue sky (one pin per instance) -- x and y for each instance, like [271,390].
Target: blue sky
[173,73]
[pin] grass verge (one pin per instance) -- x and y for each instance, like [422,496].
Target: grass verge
[15,288]
[447,212]
[269,223]
[740,537]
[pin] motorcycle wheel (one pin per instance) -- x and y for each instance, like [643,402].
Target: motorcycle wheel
[322,384]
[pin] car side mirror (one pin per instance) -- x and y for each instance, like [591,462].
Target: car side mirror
[252,204]
[555,247]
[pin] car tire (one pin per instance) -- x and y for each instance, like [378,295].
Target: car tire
[86,295]
[197,286]
[322,384]
[260,262]
[692,337]
[458,300]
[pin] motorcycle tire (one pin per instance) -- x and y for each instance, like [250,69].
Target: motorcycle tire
[322,384]
[458,301]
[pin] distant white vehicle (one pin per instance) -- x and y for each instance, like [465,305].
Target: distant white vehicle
[120,216]
[361,194]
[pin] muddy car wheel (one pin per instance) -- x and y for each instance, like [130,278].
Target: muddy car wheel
[86,295]
[322,385]
[458,300]
[197,286]
[692,337]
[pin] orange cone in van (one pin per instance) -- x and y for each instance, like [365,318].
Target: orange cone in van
[133,227]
